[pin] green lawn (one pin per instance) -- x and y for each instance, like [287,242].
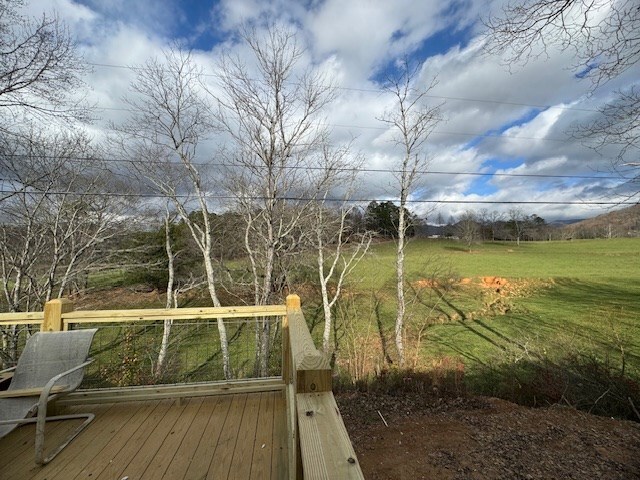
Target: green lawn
[578,297]
[568,317]
[586,259]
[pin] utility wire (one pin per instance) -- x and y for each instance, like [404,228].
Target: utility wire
[381,90]
[309,199]
[381,128]
[339,169]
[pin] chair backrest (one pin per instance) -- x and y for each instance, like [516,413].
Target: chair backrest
[48,354]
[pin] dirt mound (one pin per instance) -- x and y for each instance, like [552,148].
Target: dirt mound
[488,282]
[493,282]
[486,438]
[425,283]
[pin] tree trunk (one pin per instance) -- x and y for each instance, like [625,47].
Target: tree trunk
[399,329]
[166,330]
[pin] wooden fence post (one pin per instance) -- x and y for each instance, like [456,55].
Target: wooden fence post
[53,311]
[293,303]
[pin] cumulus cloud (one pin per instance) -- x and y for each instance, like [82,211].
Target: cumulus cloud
[510,121]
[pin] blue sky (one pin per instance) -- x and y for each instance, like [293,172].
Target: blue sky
[496,120]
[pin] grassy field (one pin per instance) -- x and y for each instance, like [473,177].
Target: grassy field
[613,259]
[526,322]
[551,301]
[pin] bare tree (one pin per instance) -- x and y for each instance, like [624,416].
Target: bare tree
[167,323]
[412,120]
[339,246]
[40,69]
[270,111]
[516,223]
[57,228]
[495,219]
[468,228]
[170,117]
[54,228]
[603,36]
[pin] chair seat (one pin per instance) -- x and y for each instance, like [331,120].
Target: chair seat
[51,364]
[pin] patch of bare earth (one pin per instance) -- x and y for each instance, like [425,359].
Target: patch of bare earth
[485,438]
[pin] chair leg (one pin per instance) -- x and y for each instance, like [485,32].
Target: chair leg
[40,458]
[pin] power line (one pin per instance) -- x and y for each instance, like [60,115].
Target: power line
[372,127]
[381,90]
[310,199]
[339,169]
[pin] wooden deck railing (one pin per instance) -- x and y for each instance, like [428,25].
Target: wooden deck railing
[316,430]
[319,445]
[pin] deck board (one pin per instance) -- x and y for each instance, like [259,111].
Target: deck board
[79,454]
[149,450]
[165,454]
[122,440]
[186,451]
[14,455]
[221,437]
[128,450]
[228,439]
[279,456]
[203,457]
[263,445]
[22,440]
[243,451]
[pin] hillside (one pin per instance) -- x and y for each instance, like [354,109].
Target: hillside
[619,223]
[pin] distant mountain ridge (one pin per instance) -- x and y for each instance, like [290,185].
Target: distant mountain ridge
[624,222]
[570,221]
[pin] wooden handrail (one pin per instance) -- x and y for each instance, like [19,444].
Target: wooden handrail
[320,447]
[21,318]
[101,316]
[312,367]
[59,313]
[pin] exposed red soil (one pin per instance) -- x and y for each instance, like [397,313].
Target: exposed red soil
[486,438]
[493,282]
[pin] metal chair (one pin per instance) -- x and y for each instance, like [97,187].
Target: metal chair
[51,365]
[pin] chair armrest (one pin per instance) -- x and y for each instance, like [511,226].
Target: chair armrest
[31,392]
[47,389]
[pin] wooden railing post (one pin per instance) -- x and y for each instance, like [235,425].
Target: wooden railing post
[293,304]
[293,301]
[53,311]
[317,433]
[311,369]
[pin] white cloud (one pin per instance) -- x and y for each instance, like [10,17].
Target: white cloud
[350,41]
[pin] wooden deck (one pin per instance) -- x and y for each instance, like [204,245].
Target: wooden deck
[239,436]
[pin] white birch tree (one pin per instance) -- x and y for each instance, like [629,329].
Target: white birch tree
[170,117]
[167,323]
[53,229]
[411,121]
[339,247]
[270,111]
